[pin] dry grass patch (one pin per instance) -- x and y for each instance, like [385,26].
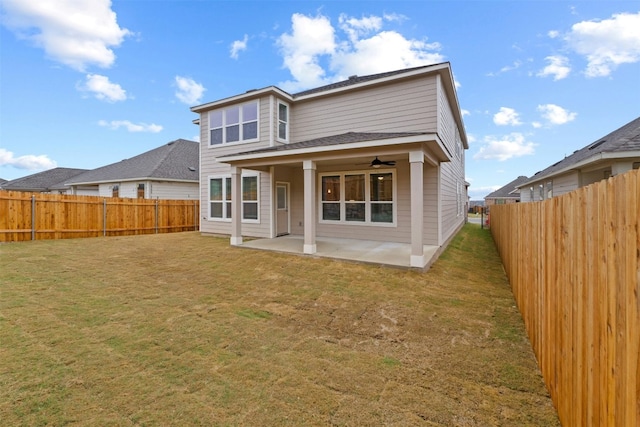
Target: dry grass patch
[181,329]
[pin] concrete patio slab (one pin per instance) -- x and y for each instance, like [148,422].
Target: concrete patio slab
[365,251]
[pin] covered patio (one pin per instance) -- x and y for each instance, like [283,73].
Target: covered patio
[365,251]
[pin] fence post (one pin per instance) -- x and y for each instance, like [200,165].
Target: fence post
[196,215]
[33,217]
[156,216]
[104,217]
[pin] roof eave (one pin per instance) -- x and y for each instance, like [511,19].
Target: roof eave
[441,154]
[270,90]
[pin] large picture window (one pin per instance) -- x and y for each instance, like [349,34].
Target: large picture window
[220,198]
[358,197]
[238,123]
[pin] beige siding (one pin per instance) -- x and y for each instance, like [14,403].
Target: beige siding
[408,106]
[171,190]
[431,195]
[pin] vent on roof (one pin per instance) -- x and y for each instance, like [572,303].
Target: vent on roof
[192,169]
[597,144]
[251,90]
[355,76]
[555,163]
[171,143]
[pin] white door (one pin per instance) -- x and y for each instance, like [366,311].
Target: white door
[282,208]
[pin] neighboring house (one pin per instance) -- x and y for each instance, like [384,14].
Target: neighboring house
[509,193]
[377,157]
[610,155]
[2,181]
[166,172]
[49,181]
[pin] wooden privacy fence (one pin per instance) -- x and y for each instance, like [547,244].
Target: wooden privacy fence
[36,216]
[573,263]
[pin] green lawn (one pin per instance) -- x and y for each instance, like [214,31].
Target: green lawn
[181,329]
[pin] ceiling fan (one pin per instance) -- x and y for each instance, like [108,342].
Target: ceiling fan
[376,163]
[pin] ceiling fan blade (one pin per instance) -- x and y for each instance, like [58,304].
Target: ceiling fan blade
[389,163]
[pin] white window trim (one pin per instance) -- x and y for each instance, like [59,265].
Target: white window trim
[224,131]
[367,222]
[257,201]
[223,201]
[286,139]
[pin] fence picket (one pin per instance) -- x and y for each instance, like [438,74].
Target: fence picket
[581,307]
[65,216]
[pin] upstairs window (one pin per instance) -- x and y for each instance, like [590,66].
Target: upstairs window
[283,121]
[238,123]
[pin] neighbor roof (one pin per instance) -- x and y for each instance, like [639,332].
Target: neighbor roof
[42,181]
[176,161]
[509,191]
[623,140]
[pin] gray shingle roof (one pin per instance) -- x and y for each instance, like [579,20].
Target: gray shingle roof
[177,160]
[509,190]
[357,79]
[345,138]
[42,181]
[624,139]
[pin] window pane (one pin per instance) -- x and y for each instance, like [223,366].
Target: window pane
[354,188]
[354,212]
[281,197]
[228,205]
[381,212]
[250,210]
[216,209]
[250,130]
[331,211]
[282,113]
[250,112]
[215,189]
[232,115]
[215,119]
[282,130]
[249,188]
[331,188]
[227,194]
[216,136]
[233,133]
[381,187]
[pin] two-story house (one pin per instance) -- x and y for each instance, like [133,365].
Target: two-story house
[378,157]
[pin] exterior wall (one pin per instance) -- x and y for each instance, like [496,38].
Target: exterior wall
[565,183]
[452,179]
[406,106]
[153,190]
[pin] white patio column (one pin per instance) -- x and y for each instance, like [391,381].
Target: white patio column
[236,206]
[416,160]
[309,167]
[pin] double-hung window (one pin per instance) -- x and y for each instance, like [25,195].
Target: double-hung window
[220,198]
[238,123]
[283,121]
[358,197]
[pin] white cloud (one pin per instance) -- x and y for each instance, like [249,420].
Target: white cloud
[507,116]
[505,148]
[608,43]
[558,67]
[313,48]
[77,33]
[28,162]
[465,112]
[103,89]
[189,91]
[238,46]
[555,114]
[131,127]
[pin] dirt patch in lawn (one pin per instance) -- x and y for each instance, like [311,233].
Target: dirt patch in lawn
[181,329]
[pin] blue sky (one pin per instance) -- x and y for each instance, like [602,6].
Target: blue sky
[85,83]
